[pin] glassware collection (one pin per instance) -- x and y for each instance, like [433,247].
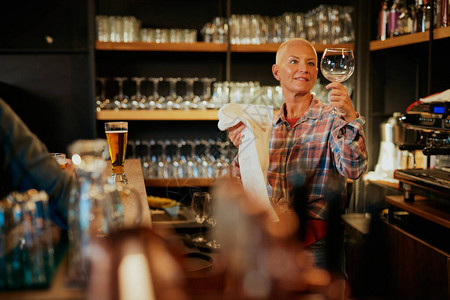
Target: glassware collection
[26,248]
[324,24]
[182,158]
[400,17]
[181,95]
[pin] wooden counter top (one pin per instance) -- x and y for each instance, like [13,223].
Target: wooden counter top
[133,170]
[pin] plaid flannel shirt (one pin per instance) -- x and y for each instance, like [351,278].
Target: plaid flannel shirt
[322,150]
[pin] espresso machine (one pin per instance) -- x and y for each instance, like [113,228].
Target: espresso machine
[429,116]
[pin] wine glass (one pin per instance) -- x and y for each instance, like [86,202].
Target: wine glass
[120,100]
[138,101]
[199,200]
[155,101]
[337,65]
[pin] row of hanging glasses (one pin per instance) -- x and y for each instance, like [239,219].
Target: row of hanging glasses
[156,101]
[212,97]
[182,158]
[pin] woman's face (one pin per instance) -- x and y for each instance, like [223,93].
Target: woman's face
[296,67]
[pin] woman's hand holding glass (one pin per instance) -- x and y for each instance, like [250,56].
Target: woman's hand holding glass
[337,65]
[340,100]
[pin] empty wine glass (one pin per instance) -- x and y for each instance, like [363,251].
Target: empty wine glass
[155,101]
[212,243]
[206,97]
[192,169]
[337,65]
[120,100]
[190,99]
[173,101]
[101,102]
[199,200]
[138,101]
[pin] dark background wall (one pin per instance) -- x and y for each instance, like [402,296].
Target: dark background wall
[46,68]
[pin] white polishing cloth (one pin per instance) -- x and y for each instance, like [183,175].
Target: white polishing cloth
[254,150]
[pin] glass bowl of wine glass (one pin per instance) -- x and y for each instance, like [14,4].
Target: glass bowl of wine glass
[337,65]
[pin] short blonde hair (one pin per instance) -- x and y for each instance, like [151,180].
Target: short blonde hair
[291,41]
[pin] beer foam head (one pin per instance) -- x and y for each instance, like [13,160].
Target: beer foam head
[117,131]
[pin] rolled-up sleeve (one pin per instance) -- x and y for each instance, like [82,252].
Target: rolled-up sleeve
[349,148]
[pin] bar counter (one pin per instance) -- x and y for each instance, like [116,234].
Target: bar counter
[58,289]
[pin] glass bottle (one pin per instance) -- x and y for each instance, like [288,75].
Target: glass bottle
[394,13]
[405,22]
[88,215]
[383,21]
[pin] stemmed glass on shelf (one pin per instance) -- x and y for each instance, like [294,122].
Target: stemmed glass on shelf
[138,101]
[207,96]
[101,101]
[337,65]
[155,101]
[120,100]
[190,99]
[173,100]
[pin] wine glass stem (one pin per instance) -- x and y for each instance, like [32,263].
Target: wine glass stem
[120,89]
[155,89]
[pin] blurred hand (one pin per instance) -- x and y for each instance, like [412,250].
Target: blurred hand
[340,99]
[235,134]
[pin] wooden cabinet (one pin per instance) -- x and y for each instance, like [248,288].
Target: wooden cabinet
[418,247]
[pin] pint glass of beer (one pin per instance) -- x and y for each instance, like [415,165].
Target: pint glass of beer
[117,135]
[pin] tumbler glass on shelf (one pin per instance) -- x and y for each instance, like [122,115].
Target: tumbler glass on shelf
[337,65]
[117,135]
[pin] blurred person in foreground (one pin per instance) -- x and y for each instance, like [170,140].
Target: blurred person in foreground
[310,147]
[25,163]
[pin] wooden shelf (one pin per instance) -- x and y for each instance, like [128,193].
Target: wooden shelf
[179,182]
[409,39]
[441,33]
[422,207]
[158,115]
[174,47]
[201,47]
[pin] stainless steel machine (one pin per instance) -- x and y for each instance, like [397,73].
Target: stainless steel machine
[431,117]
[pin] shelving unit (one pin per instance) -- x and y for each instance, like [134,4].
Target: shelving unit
[158,115]
[166,47]
[203,47]
[410,39]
